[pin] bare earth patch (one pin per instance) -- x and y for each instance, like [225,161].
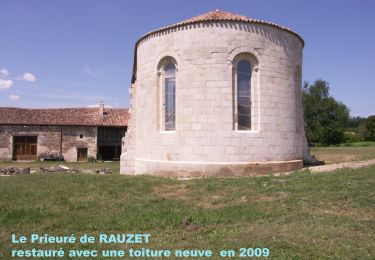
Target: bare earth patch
[343,154]
[336,166]
[179,192]
[183,193]
[216,200]
[358,214]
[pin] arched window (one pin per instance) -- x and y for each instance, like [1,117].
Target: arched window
[170,96]
[167,69]
[245,89]
[244,95]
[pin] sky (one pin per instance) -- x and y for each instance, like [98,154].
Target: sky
[76,53]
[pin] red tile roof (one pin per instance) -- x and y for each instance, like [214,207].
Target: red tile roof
[218,15]
[63,116]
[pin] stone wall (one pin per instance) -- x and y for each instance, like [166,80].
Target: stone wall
[6,143]
[49,139]
[127,162]
[205,135]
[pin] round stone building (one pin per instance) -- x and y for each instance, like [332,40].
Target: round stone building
[216,95]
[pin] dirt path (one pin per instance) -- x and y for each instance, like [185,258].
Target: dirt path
[336,166]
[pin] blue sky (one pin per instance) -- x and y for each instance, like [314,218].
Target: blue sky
[74,53]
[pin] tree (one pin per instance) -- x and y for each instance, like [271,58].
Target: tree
[370,127]
[355,122]
[325,117]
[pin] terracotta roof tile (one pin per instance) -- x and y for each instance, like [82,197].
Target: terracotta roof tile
[63,116]
[218,15]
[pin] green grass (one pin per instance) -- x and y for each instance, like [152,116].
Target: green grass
[310,216]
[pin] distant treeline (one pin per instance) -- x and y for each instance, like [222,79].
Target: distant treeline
[328,121]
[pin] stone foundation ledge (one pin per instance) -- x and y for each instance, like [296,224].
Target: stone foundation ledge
[185,169]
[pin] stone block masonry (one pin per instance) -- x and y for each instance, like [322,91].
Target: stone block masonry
[206,141]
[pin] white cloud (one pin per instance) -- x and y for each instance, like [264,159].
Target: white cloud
[28,77]
[4,73]
[14,97]
[4,84]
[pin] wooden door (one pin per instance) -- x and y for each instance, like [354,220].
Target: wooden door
[81,154]
[25,147]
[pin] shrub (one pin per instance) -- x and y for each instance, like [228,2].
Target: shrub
[331,136]
[351,137]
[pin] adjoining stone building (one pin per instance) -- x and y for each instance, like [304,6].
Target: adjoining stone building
[74,133]
[218,94]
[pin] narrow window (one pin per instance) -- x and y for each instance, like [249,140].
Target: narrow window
[243,95]
[170,97]
[81,136]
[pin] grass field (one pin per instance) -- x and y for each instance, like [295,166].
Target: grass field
[298,216]
[308,216]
